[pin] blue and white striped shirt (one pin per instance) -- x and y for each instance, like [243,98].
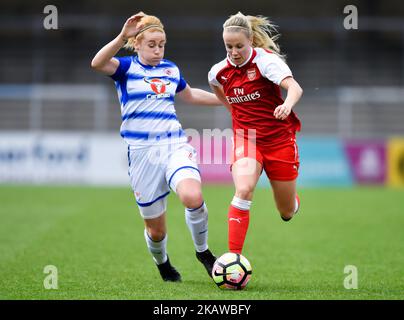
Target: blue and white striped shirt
[146,94]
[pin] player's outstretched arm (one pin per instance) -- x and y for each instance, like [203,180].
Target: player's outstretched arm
[221,96]
[294,93]
[198,97]
[104,60]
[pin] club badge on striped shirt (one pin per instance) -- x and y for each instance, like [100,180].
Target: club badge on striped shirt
[157,85]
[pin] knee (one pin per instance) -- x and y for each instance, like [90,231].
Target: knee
[156,234]
[244,192]
[191,198]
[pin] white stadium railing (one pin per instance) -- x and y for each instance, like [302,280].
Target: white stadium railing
[345,112]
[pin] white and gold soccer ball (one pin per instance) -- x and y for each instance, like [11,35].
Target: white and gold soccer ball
[231,271]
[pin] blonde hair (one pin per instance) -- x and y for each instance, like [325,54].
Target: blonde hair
[150,23]
[263,33]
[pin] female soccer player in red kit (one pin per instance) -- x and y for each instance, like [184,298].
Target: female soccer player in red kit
[248,82]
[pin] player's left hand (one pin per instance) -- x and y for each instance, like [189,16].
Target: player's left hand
[281,112]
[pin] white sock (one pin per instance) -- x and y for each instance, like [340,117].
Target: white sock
[158,249]
[241,204]
[197,222]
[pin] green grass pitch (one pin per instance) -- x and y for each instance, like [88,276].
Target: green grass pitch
[94,236]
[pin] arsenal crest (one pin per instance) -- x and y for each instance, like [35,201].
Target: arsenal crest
[251,73]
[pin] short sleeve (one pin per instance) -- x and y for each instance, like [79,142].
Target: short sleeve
[212,78]
[124,64]
[181,85]
[275,69]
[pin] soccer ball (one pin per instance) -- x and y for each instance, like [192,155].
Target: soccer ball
[231,271]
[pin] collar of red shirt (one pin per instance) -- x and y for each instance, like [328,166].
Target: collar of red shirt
[244,63]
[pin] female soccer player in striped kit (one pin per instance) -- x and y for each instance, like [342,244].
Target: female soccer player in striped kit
[249,82]
[159,156]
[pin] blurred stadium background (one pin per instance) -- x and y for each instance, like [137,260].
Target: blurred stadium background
[352,79]
[59,120]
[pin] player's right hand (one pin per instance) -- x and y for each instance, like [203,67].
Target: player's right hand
[132,26]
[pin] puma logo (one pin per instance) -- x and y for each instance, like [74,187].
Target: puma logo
[235,219]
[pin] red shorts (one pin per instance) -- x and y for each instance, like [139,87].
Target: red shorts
[280,162]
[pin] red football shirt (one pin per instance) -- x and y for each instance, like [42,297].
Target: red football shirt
[252,89]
